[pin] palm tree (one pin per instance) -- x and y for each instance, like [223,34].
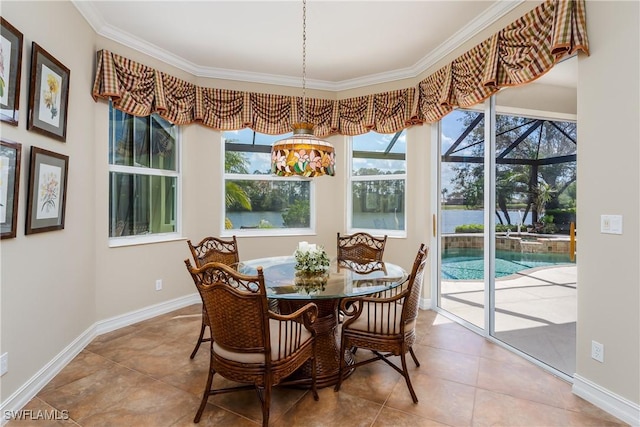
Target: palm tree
[543,193]
[235,162]
[508,183]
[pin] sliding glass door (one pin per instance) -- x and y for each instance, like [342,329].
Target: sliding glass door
[507,198]
[462,280]
[535,301]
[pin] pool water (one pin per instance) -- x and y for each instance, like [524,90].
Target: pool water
[468,264]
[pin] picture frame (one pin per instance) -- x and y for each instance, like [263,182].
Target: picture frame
[10,160]
[48,94]
[47,197]
[10,72]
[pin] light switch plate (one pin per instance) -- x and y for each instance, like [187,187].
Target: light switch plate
[611,224]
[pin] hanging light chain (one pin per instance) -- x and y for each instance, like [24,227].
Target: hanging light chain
[304,57]
[294,156]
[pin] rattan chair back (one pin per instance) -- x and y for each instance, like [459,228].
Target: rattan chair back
[411,303]
[363,267]
[214,249]
[250,344]
[237,307]
[361,247]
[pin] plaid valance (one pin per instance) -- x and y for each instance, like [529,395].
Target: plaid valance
[518,54]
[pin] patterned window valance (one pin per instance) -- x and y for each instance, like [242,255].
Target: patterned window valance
[518,54]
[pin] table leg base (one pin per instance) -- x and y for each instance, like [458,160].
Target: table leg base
[325,377]
[327,347]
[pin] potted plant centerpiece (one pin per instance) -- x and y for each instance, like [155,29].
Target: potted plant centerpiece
[312,266]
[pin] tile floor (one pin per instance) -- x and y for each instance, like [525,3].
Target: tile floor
[141,375]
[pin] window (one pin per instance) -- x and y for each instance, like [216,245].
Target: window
[378,177]
[256,202]
[143,178]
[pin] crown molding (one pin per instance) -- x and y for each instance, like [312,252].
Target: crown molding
[482,21]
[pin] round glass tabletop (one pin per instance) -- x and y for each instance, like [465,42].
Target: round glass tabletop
[343,279]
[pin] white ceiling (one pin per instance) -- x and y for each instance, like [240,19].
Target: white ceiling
[348,43]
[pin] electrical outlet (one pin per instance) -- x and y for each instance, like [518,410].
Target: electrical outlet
[597,351]
[4,363]
[159,285]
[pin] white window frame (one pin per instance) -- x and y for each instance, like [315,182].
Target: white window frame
[257,232]
[137,170]
[351,178]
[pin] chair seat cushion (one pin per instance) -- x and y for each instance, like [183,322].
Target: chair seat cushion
[376,318]
[277,342]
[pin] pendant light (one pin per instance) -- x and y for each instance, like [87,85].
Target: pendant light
[303,154]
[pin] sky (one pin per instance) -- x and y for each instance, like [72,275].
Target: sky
[451,129]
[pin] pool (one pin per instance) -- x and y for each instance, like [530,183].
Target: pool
[468,264]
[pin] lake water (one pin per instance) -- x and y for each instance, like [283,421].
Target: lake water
[455,217]
[252,219]
[450,219]
[389,221]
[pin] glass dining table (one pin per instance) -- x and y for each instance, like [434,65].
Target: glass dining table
[288,291]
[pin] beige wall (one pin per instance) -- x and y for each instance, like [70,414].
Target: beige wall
[56,285]
[48,279]
[608,183]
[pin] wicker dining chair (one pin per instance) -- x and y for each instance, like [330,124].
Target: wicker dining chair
[363,267]
[358,250]
[384,324]
[212,249]
[250,344]
[361,247]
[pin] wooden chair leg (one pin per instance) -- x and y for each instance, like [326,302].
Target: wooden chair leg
[405,374]
[341,365]
[413,355]
[314,390]
[265,398]
[195,350]
[205,395]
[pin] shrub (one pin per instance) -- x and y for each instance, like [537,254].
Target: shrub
[265,224]
[501,228]
[470,228]
[561,211]
[297,216]
[479,228]
[562,218]
[547,219]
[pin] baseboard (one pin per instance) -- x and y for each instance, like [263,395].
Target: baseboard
[117,322]
[425,303]
[32,387]
[617,406]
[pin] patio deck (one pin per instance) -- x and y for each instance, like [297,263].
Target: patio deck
[536,311]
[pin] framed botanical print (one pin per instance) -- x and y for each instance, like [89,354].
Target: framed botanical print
[47,191]
[10,68]
[10,156]
[48,94]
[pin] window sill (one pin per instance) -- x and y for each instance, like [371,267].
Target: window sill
[267,232]
[118,242]
[399,234]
